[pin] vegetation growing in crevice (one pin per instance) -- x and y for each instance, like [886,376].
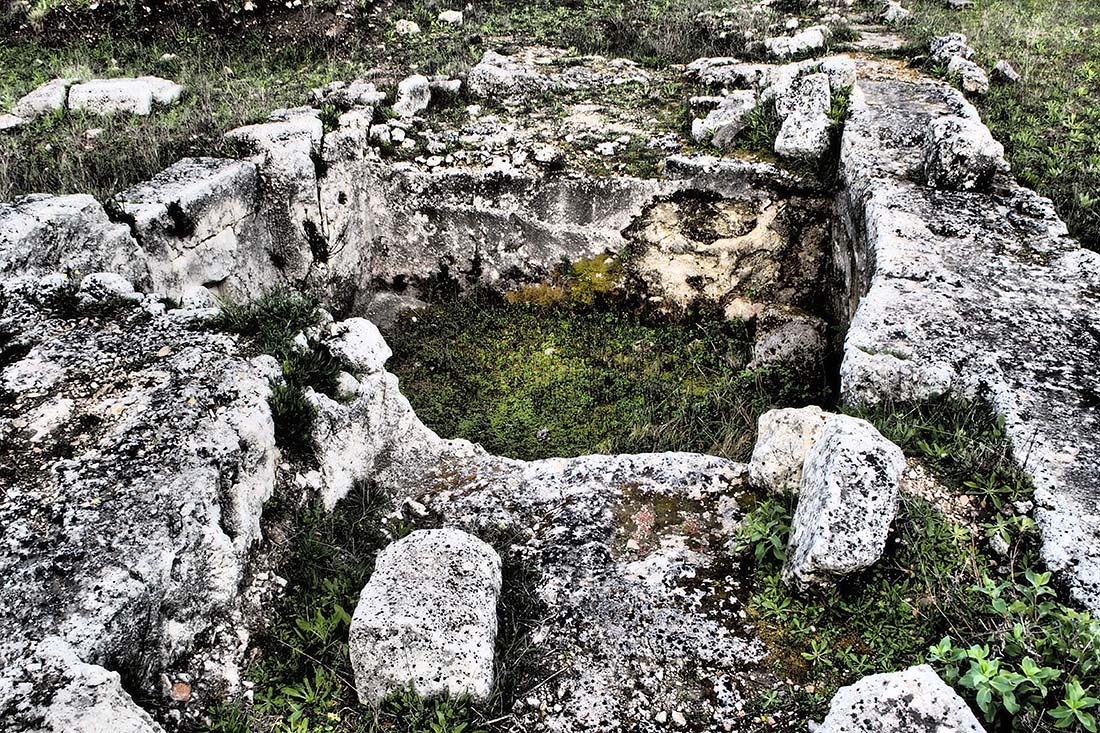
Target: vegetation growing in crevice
[303,677]
[972,602]
[569,368]
[271,323]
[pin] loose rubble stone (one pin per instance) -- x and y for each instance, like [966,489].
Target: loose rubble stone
[1005,73]
[10,122]
[347,95]
[406,28]
[944,48]
[915,699]
[971,77]
[726,121]
[499,77]
[782,439]
[123,96]
[803,138]
[790,340]
[428,618]
[894,12]
[841,72]
[451,17]
[48,98]
[847,500]
[414,94]
[961,154]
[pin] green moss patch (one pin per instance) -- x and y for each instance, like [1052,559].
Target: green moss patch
[559,378]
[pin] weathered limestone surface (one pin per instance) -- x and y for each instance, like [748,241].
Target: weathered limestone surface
[847,500]
[975,293]
[137,453]
[782,440]
[428,618]
[912,700]
[41,233]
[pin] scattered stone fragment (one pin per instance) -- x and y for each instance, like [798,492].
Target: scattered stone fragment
[406,28]
[791,340]
[961,154]
[499,77]
[1005,73]
[452,17]
[894,12]
[50,97]
[847,500]
[549,157]
[722,125]
[807,96]
[414,94]
[428,618]
[915,699]
[11,122]
[347,95]
[971,77]
[123,96]
[953,44]
[782,439]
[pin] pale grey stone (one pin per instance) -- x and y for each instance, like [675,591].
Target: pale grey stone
[847,500]
[971,77]
[1004,73]
[46,99]
[943,48]
[358,343]
[413,95]
[427,619]
[803,138]
[961,154]
[11,122]
[915,699]
[783,437]
[801,43]
[722,125]
[123,96]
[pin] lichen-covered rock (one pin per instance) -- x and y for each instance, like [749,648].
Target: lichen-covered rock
[783,437]
[1005,73]
[87,697]
[803,138]
[414,94]
[792,341]
[943,48]
[11,122]
[198,218]
[123,96]
[806,96]
[502,78]
[847,500]
[841,72]
[346,95]
[41,233]
[427,619]
[47,98]
[136,453]
[911,701]
[961,154]
[800,44]
[894,12]
[971,77]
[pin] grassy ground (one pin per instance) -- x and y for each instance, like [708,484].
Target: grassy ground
[531,380]
[237,76]
[228,84]
[1050,123]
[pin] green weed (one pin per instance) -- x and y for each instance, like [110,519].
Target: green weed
[547,376]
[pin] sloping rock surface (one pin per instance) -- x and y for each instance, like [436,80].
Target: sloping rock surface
[975,294]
